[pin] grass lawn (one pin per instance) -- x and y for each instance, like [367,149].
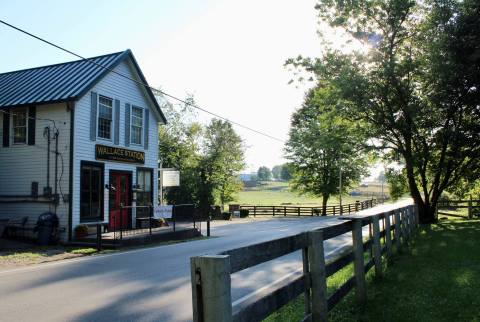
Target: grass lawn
[437,278]
[278,193]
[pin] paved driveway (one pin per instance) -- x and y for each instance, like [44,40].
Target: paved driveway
[150,284]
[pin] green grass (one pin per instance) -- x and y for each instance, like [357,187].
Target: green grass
[278,193]
[437,278]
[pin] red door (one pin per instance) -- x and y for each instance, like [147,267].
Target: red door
[119,195]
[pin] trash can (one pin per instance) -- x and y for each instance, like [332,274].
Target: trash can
[47,225]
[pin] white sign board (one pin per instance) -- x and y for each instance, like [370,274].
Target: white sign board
[163,212]
[170,178]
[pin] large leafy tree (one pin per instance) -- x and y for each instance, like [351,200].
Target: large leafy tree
[264,173]
[179,148]
[223,160]
[323,144]
[417,86]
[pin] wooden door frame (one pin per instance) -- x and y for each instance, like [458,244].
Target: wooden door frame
[130,194]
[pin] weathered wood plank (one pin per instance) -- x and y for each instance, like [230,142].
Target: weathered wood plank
[316,258]
[340,293]
[262,304]
[248,256]
[336,230]
[358,262]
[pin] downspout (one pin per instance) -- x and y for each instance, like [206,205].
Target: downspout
[71,108]
[46,133]
[56,170]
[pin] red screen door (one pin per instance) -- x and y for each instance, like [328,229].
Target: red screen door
[119,194]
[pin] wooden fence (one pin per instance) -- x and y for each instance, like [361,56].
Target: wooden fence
[211,280]
[444,207]
[309,211]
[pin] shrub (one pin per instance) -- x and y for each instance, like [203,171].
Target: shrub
[243,213]
[226,215]
[81,231]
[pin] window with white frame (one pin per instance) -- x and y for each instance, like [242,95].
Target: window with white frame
[19,126]
[136,125]
[105,117]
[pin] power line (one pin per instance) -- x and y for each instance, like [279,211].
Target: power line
[141,83]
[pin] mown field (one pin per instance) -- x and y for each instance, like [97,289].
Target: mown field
[437,278]
[278,193]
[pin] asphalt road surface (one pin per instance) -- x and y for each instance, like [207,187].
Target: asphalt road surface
[149,284]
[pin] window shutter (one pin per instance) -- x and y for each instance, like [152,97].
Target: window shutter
[145,129]
[116,131]
[127,124]
[32,111]
[93,117]
[6,129]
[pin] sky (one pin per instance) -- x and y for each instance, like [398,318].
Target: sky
[229,54]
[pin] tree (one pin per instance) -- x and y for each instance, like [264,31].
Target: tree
[286,174]
[321,145]
[277,172]
[415,83]
[179,148]
[223,160]
[264,174]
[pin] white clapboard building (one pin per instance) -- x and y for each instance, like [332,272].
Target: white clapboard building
[76,139]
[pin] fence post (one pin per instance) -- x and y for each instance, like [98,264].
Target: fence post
[398,231]
[273,209]
[254,211]
[284,211]
[306,270]
[334,210]
[377,251]
[298,211]
[358,261]
[356,205]
[388,234]
[211,288]
[349,208]
[318,277]
[470,212]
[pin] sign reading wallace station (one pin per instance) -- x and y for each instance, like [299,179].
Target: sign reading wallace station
[103,152]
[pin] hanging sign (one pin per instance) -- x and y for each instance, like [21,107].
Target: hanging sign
[170,177]
[103,152]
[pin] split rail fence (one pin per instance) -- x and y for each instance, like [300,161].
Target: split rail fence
[211,274]
[309,211]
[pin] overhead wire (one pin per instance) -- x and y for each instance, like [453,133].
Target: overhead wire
[143,84]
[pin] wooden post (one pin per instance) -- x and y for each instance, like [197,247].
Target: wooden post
[398,232]
[306,274]
[358,262]
[254,211]
[377,251]
[349,208]
[341,210]
[334,210]
[318,277]
[273,210]
[388,234]
[298,211]
[284,211]
[211,288]
[470,208]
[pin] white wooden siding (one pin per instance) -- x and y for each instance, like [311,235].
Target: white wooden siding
[116,87]
[22,164]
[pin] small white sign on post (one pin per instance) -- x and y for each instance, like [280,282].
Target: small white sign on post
[163,212]
[170,178]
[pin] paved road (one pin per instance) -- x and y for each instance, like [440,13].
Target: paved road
[151,284]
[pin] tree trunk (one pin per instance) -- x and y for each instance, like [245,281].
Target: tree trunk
[324,204]
[427,213]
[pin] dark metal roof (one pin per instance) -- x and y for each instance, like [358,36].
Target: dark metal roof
[61,82]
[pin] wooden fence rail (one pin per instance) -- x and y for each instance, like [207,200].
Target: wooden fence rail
[309,211]
[211,280]
[472,206]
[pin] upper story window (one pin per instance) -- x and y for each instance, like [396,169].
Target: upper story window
[19,121]
[105,107]
[136,125]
